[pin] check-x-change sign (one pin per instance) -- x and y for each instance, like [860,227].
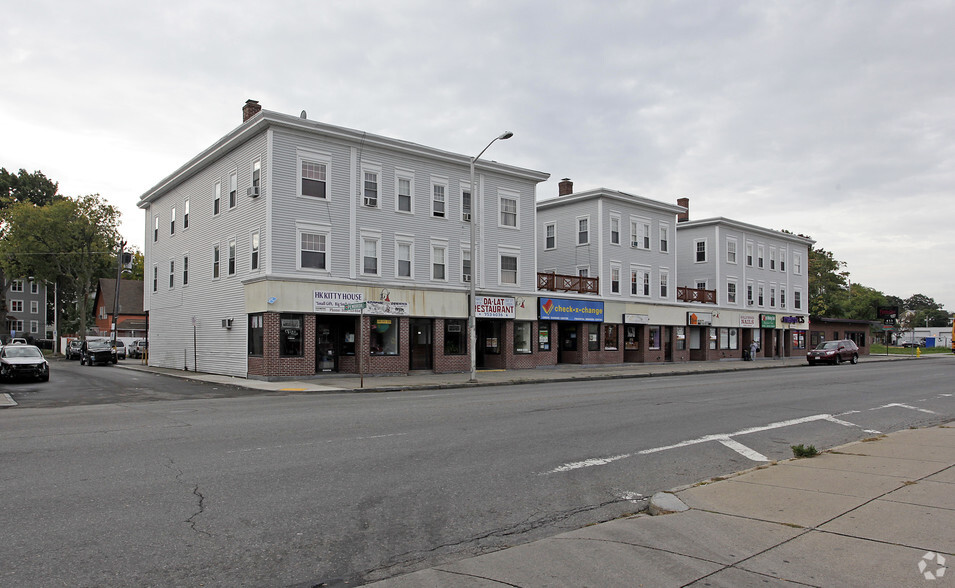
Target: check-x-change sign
[565,309]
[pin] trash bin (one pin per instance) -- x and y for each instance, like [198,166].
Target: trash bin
[746,356]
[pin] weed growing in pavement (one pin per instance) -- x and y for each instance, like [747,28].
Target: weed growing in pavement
[803,451]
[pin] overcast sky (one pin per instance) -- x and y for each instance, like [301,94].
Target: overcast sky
[825,118]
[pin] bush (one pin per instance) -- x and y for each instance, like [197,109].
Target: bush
[802,451]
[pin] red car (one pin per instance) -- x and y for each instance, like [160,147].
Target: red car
[834,352]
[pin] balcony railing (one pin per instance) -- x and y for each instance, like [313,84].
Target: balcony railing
[561,283]
[684,294]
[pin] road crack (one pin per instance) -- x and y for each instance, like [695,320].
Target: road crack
[200,497]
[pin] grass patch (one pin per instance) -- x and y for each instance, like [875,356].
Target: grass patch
[801,450]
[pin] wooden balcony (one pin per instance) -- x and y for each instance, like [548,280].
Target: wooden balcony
[684,294]
[561,283]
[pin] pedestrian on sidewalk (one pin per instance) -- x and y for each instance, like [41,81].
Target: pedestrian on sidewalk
[753,348]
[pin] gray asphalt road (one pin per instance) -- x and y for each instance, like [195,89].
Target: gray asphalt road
[300,490]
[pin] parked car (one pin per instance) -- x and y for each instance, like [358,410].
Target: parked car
[18,341]
[95,351]
[73,349]
[137,348]
[120,350]
[911,344]
[23,361]
[836,351]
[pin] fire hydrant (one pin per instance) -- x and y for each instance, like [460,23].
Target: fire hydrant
[918,352]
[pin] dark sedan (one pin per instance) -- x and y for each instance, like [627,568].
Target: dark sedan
[23,361]
[97,351]
[836,351]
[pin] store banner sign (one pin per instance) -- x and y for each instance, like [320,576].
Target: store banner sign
[747,320]
[328,301]
[767,321]
[699,318]
[494,307]
[636,319]
[388,308]
[563,309]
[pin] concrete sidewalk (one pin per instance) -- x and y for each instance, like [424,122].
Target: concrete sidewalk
[431,381]
[880,512]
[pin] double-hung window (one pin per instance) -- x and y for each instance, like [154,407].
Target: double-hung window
[172,273]
[731,292]
[508,268]
[232,257]
[640,234]
[215,261]
[404,258]
[185,269]
[438,199]
[760,253]
[172,221]
[370,189]
[256,175]
[465,265]
[404,200]
[550,236]
[615,230]
[185,214]
[731,251]
[155,228]
[312,250]
[583,230]
[254,265]
[369,254]
[155,278]
[615,279]
[216,198]
[233,189]
[664,284]
[664,238]
[439,261]
[466,204]
[508,211]
[640,281]
[700,247]
[313,176]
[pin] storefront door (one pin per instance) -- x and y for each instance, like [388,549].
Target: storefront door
[422,344]
[326,345]
[567,350]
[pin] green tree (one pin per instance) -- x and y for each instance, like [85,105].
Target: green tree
[919,302]
[828,291]
[72,241]
[138,270]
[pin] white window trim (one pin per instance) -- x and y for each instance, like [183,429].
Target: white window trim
[797,264]
[516,197]
[645,270]
[585,217]
[185,270]
[437,244]
[550,224]
[172,274]
[302,155]
[509,252]
[367,167]
[252,250]
[255,162]
[640,228]
[661,228]
[313,229]
[462,188]
[586,268]
[407,174]
[614,217]
[735,285]
[172,221]
[439,182]
[750,254]
[783,254]
[15,303]
[217,197]
[465,248]
[735,248]
[706,250]
[233,244]
[34,307]
[760,256]
[664,277]
[409,241]
[375,236]
[214,246]
[616,266]
[185,214]
[234,173]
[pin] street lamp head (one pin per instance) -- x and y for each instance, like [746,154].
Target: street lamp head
[506,135]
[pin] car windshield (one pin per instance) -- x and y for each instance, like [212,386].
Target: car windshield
[829,345]
[98,345]
[21,352]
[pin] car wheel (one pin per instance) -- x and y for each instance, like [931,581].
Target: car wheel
[855,359]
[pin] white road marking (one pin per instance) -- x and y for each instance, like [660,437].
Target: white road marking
[900,405]
[841,422]
[587,463]
[632,496]
[743,450]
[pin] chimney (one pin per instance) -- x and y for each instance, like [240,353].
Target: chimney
[565,187]
[683,216]
[250,109]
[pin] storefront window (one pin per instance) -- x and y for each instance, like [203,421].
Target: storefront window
[290,335]
[729,338]
[522,337]
[491,338]
[348,339]
[799,339]
[593,336]
[256,334]
[654,337]
[681,338]
[543,336]
[631,338]
[383,339]
[713,337]
[610,337]
[455,337]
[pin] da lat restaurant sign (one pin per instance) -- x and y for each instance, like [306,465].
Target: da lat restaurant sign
[494,307]
[563,309]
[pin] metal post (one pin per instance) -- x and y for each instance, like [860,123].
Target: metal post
[119,276]
[472,334]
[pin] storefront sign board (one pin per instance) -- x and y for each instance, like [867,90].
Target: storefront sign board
[564,309]
[494,307]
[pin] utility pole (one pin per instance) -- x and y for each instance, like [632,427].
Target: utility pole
[119,276]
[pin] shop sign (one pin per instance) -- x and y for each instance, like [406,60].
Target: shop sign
[747,320]
[636,319]
[387,308]
[699,318]
[563,309]
[494,307]
[328,301]
[794,320]
[767,321]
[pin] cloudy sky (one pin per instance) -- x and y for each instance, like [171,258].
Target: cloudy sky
[827,118]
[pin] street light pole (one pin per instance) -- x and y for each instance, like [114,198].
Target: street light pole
[472,333]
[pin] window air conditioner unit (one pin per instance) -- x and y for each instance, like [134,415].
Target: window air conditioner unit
[635,243]
[749,302]
[371,202]
[466,217]
[227,323]
[467,277]
[252,192]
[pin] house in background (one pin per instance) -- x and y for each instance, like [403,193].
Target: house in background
[26,310]
[131,318]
